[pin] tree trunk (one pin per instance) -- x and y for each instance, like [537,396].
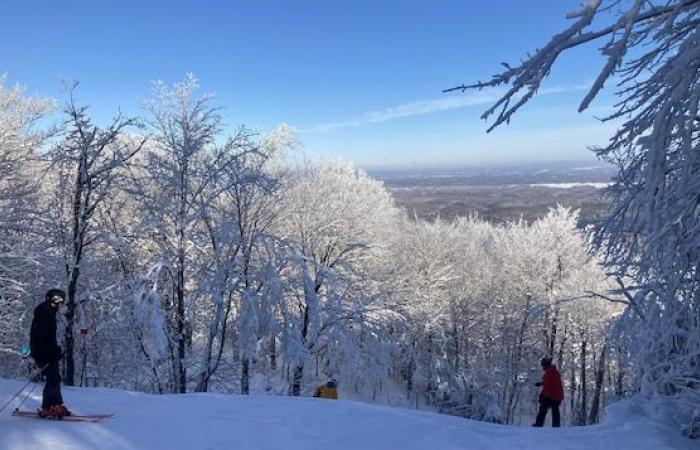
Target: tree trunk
[619,383]
[173,363]
[582,387]
[69,374]
[409,380]
[77,232]
[181,374]
[245,378]
[207,370]
[296,380]
[572,385]
[299,368]
[553,333]
[600,376]
[562,343]
[273,352]
[455,343]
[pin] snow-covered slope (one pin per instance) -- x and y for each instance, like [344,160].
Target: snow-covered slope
[216,421]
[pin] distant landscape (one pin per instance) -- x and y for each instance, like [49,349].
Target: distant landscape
[500,193]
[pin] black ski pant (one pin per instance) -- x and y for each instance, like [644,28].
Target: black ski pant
[545,404]
[52,387]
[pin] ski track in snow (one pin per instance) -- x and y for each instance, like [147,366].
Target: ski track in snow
[220,421]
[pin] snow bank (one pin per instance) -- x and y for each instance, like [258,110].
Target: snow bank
[217,421]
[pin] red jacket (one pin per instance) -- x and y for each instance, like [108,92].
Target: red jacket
[551,384]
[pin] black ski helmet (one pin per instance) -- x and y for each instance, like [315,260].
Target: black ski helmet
[546,362]
[55,296]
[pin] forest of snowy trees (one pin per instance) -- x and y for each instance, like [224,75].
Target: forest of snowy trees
[197,261]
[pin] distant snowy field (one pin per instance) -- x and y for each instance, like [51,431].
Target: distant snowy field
[570,185]
[217,421]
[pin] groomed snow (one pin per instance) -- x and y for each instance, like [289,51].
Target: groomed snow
[217,421]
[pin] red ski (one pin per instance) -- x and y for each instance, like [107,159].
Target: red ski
[71,418]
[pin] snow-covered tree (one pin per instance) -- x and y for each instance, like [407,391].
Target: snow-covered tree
[238,222]
[86,164]
[651,234]
[335,219]
[20,249]
[484,303]
[185,126]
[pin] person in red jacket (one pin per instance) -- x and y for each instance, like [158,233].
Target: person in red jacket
[552,393]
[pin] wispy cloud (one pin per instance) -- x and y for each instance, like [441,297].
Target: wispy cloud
[424,107]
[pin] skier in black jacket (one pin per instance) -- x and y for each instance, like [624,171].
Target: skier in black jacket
[46,353]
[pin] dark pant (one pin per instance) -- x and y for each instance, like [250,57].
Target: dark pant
[52,387]
[545,404]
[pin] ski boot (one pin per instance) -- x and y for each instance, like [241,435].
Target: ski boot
[62,411]
[47,413]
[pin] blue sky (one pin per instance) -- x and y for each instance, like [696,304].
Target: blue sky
[360,79]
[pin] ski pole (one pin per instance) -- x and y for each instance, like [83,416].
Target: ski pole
[26,396]
[31,380]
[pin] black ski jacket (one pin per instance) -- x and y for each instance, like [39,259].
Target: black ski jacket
[42,339]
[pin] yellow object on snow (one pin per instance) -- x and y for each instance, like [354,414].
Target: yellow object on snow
[327,390]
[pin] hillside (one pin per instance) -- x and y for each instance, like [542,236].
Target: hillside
[217,421]
[499,193]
